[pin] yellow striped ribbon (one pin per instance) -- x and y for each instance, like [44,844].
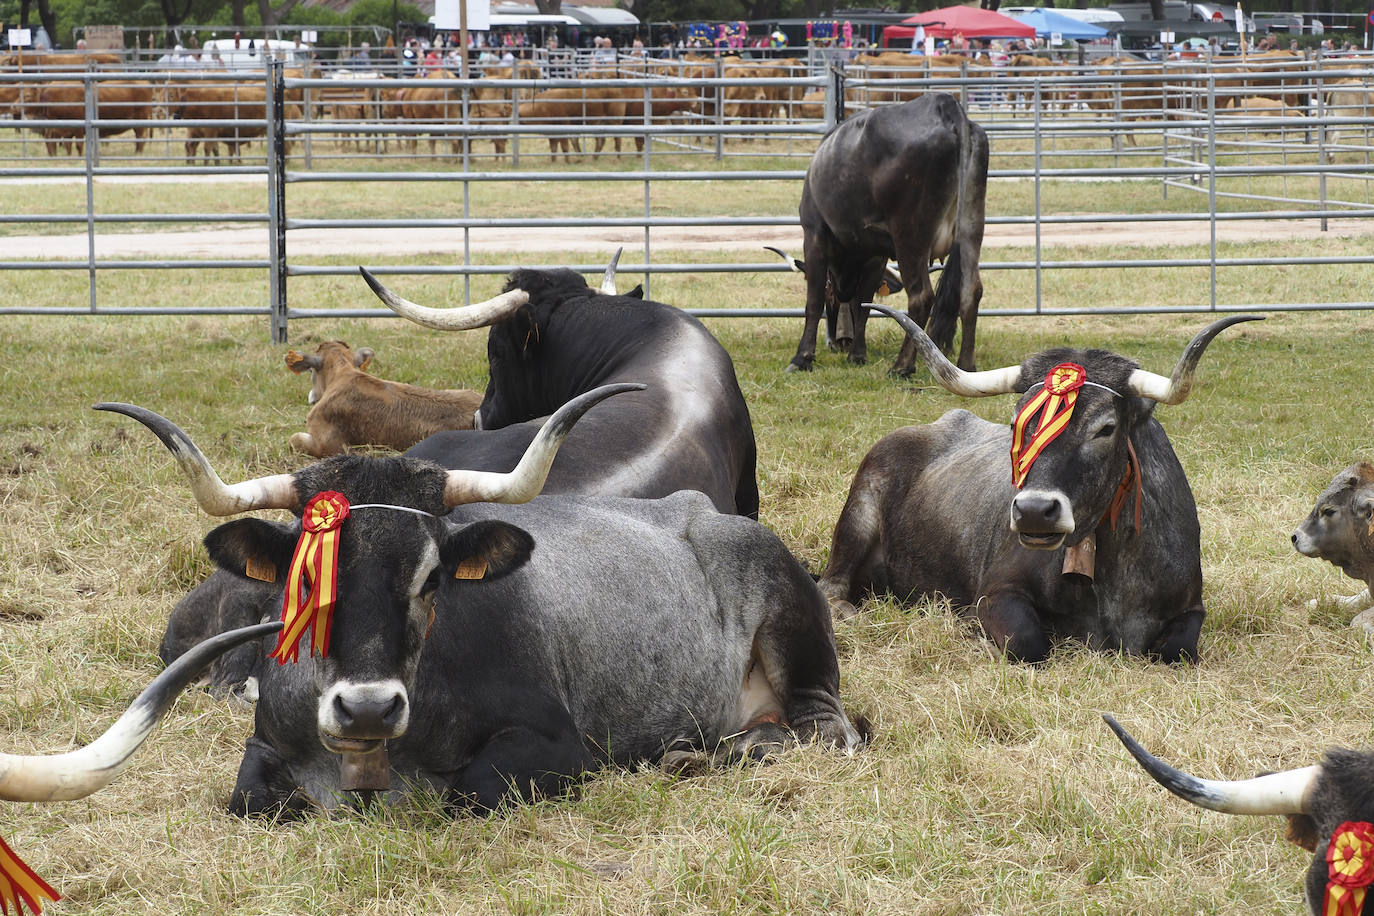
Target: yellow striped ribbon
[314,566]
[1350,864]
[1054,403]
[20,886]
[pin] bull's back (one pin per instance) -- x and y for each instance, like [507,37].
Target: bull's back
[947,487]
[618,615]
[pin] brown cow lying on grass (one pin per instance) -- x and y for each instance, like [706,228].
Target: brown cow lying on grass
[354,408]
[1340,530]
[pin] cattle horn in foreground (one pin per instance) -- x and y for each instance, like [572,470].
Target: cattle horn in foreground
[1172,390]
[1275,793]
[278,491]
[76,774]
[1329,809]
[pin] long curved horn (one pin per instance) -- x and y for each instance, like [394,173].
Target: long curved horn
[464,318]
[76,774]
[277,491]
[608,278]
[1175,389]
[956,380]
[524,483]
[796,264]
[1277,793]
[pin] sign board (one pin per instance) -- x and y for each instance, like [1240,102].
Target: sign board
[448,18]
[19,38]
[310,36]
[1056,39]
[104,37]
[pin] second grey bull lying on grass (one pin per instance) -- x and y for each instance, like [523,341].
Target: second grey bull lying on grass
[496,651]
[1096,539]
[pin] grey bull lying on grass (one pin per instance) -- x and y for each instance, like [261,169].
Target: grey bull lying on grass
[1103,541]
[495,651]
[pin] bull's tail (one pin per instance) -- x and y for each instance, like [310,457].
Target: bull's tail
[945,312]
[968,231]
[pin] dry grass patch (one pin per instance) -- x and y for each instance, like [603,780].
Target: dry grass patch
[990,787]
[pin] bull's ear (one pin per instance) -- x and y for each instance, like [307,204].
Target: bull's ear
[298,363]
[1363,505]
[1142,409]
[362,357]
[253,548]
[1302,830]
[485,550]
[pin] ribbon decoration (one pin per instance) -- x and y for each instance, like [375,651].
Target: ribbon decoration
[315,565]
[1056,397]
[20,886]
[1350,868]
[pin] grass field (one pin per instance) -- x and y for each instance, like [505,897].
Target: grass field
[991,788]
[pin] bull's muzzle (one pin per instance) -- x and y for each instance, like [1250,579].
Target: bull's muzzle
[1042,519]
[357,718]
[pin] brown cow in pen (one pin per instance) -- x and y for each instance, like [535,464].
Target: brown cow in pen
[354,408]
[114,102]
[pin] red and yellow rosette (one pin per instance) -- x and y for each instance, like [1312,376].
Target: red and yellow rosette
[20,886]
[314,567]
[1054,405]
[1350,868]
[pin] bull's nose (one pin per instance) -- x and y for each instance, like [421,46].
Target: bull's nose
[369,716]
[1036,512]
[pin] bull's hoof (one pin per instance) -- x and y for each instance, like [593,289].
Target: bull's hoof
[798,366]
[902,372]
[686,764]
[858,359]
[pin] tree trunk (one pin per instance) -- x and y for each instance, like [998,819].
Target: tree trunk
[549,7]
[1156,9]
[48,19]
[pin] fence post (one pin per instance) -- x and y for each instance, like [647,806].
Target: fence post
[834,98]
[276,198]
[92,157]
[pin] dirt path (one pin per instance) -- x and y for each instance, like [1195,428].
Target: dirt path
[243,243]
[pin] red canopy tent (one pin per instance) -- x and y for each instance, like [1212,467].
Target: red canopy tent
[969,21]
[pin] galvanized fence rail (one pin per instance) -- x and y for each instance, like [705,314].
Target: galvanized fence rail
[1167,128]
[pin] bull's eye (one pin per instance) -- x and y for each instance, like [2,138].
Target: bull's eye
[1328,511]
[1105,431]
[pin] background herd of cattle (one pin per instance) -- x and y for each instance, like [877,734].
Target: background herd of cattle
[1271,83]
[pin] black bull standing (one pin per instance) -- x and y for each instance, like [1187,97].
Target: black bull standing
[489,651]
[907,182]
[1094,536]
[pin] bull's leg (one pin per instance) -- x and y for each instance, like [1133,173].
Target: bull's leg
[264,787]
[522,762]
[920,297]
[555,144]
[794,651]
[869,280]
[1177,642]
[322,444]
[815,304]
[1011,622]
[971,295]
[856,547]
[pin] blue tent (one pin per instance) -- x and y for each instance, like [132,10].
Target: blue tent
[1047,22]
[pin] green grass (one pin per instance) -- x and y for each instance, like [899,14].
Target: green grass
[990,788]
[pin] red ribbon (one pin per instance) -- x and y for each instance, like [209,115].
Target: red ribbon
[1054,403]
[1350,868]
[314,565]
[20,886]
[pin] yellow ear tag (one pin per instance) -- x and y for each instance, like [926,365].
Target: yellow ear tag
[471,568]
[260,569]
